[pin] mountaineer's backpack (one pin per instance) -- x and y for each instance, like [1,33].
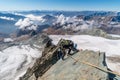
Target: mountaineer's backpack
[66,42]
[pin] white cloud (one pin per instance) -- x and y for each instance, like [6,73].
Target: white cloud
[31,22]
[8,40]
[7,18]
[61,19]
[32,17]
[23,23]
[15,60]
[18,14]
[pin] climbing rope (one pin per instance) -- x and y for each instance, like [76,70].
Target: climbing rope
[87,63]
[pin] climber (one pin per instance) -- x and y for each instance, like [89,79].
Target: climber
[67,44]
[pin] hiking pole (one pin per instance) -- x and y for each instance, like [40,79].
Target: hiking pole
[87,63]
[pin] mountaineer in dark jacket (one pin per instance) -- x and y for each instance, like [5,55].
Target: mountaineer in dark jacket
[67,44]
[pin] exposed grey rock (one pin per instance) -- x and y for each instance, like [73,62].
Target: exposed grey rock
[97,32]
[67,70]
[49,68]
[35,42]
[32,77]
[42,64]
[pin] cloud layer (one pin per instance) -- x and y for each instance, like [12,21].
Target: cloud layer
[31,22]
[7,18]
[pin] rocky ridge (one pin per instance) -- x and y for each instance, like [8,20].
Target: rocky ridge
[49,67]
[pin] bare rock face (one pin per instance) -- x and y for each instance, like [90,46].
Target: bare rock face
[69,70]
[41,65]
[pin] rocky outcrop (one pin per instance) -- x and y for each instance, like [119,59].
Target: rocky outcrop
[69,70]
[35,42]
[42,64]
[94,32]
[48,67]
[111,30]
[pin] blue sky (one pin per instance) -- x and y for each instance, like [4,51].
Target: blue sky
[71,5]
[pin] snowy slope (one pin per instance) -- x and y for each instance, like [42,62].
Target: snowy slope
[15,60]
[111,47]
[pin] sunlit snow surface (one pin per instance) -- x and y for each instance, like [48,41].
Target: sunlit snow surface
[111,47]
[15,60]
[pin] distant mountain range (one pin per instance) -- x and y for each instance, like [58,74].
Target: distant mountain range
[7,21]
[19,22]
[69,13]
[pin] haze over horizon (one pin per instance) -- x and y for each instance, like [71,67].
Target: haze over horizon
[66,5]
